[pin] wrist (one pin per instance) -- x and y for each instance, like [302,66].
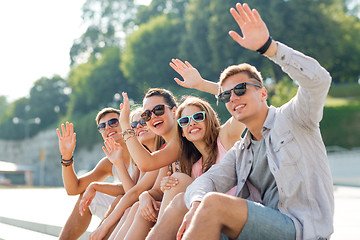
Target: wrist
[66,163]
[272,50]
[67,157]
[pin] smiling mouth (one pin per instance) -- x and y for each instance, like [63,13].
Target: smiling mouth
[111,133]
[239,106]
[194,130]
[141,132]
[157,124]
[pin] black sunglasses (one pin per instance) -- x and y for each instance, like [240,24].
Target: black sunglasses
[158,110]
[134,124]
[239,90]
[114,122]
[197,117]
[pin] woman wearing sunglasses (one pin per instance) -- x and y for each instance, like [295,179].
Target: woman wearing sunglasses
[149,141]
[203,142]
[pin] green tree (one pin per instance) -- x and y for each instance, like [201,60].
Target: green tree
[175,8]
[108,22]
[8,128]
[94,84]
[145,61]
[324,29]
[48,100]
[3,105]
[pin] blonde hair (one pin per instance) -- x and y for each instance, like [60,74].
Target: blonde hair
[248,69]
[189,153]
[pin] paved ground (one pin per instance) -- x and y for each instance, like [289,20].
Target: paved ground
[39,213]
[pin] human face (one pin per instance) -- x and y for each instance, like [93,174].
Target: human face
[245,107]
[195,131]
[161,125]
[144,135]
[114,132]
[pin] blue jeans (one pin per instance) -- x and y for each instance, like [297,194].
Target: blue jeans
[265,223]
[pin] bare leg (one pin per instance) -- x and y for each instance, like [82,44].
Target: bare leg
[125,222]
[76,224]
[218,213]
[168,225]
[139,228]
[184,182]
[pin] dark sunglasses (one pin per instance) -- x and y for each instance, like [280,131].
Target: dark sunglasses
[134,124]
[239,90]
[114,122]
[158,110]
[197,117]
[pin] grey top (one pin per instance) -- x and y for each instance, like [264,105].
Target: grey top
[295,151]
[261,177]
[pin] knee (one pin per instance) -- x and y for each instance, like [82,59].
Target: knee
[183,182]
[178,201]
[212,202]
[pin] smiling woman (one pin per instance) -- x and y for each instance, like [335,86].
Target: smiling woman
[38,42]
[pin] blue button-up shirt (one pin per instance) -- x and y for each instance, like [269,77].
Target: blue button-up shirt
[295,152]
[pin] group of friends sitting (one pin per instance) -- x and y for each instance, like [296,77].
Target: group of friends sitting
[180,174]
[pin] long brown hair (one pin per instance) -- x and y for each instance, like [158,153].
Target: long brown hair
[189,153]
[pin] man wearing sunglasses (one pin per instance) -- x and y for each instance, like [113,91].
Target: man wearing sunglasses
[280,168]
[102,204]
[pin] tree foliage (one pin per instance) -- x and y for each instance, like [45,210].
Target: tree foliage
[107,21]
[145,61]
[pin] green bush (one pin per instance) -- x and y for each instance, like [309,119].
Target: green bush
[341,126]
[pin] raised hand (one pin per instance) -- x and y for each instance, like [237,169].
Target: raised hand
[253,29]
[125,112]
[67,140]
[168,182]
[191,76]
[112,150]
[148,207]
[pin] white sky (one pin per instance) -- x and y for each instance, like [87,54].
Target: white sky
[36,37]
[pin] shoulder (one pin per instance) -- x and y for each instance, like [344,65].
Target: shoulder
[104,165]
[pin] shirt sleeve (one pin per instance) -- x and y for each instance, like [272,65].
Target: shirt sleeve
[220,177]
[314,83]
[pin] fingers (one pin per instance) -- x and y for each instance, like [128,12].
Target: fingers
[181,230]
[246,12]
[105,151]
[125,100]
[58,133]
[148,214]
[179,82]
[239,20]
[108,145]
[168,182]
[237,38]
[63,130]
[188,64]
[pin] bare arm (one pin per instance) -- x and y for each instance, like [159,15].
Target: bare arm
[126,201]
[112,189]
[74,185]
[230,132]
[145,160]
[117,155]
[192,78]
